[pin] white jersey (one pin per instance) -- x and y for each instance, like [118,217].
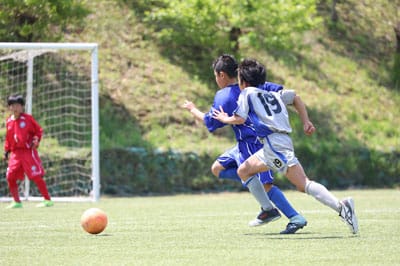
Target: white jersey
[266,110]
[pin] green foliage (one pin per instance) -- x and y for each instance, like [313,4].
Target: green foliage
[141,171]
[273,24]
[209,25]
[39,20]
[349,165]
[190,25]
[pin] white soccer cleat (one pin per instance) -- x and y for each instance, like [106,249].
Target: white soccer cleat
[265,217]
[348,214]
[256,222]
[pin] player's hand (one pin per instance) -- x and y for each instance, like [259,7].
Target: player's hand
[35,142]
[5,155]
[188,105]
[220,114]
[309,128]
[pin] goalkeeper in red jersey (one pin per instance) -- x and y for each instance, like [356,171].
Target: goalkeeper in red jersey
[23,136]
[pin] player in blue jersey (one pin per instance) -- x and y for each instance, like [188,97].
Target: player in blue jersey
[268,113]
[225,166]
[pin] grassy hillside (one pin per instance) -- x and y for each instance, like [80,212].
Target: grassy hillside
[342,72]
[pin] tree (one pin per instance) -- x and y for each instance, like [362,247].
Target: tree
[396,29]
[334,14]
[396,66]
[39,20]
[228,24]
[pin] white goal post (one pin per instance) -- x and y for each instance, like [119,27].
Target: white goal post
[60,84]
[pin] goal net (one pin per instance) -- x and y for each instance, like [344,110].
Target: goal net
[59,82]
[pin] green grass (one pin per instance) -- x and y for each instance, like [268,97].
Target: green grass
[207,229]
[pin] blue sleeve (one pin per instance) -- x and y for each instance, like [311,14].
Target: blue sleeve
[211,123]
[222,98]
[269,86]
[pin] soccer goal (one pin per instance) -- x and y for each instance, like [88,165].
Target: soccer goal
[60,84]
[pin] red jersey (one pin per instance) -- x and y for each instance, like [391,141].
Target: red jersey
[20,132]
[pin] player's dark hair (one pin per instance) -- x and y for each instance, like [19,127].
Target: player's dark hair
[252,72]
[15,98]
[226,63]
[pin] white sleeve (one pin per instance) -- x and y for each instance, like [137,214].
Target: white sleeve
[242,109]
[287,96]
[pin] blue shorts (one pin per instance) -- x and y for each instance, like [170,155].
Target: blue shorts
[236,155]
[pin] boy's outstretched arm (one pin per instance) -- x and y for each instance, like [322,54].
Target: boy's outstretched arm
[191,107]
[300,107]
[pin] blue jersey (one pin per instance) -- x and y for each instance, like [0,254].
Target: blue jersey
[247,141]
[227,98]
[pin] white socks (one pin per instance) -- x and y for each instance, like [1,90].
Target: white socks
[322,194]
[258,191]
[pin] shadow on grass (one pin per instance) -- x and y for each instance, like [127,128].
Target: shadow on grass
[300,236]
[101,235]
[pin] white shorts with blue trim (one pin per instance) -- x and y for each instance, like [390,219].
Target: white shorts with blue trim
[278,152]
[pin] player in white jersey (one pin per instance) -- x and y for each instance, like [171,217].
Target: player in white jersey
[268,113]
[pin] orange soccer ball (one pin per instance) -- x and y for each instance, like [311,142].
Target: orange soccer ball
[94,221]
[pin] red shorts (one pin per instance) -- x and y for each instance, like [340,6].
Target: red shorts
[24,161]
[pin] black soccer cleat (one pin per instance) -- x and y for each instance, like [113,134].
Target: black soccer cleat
[265,217]
[292,228]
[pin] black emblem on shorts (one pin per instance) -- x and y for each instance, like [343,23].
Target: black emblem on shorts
[278,163]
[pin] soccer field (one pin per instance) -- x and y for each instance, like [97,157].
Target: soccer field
[206,229]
